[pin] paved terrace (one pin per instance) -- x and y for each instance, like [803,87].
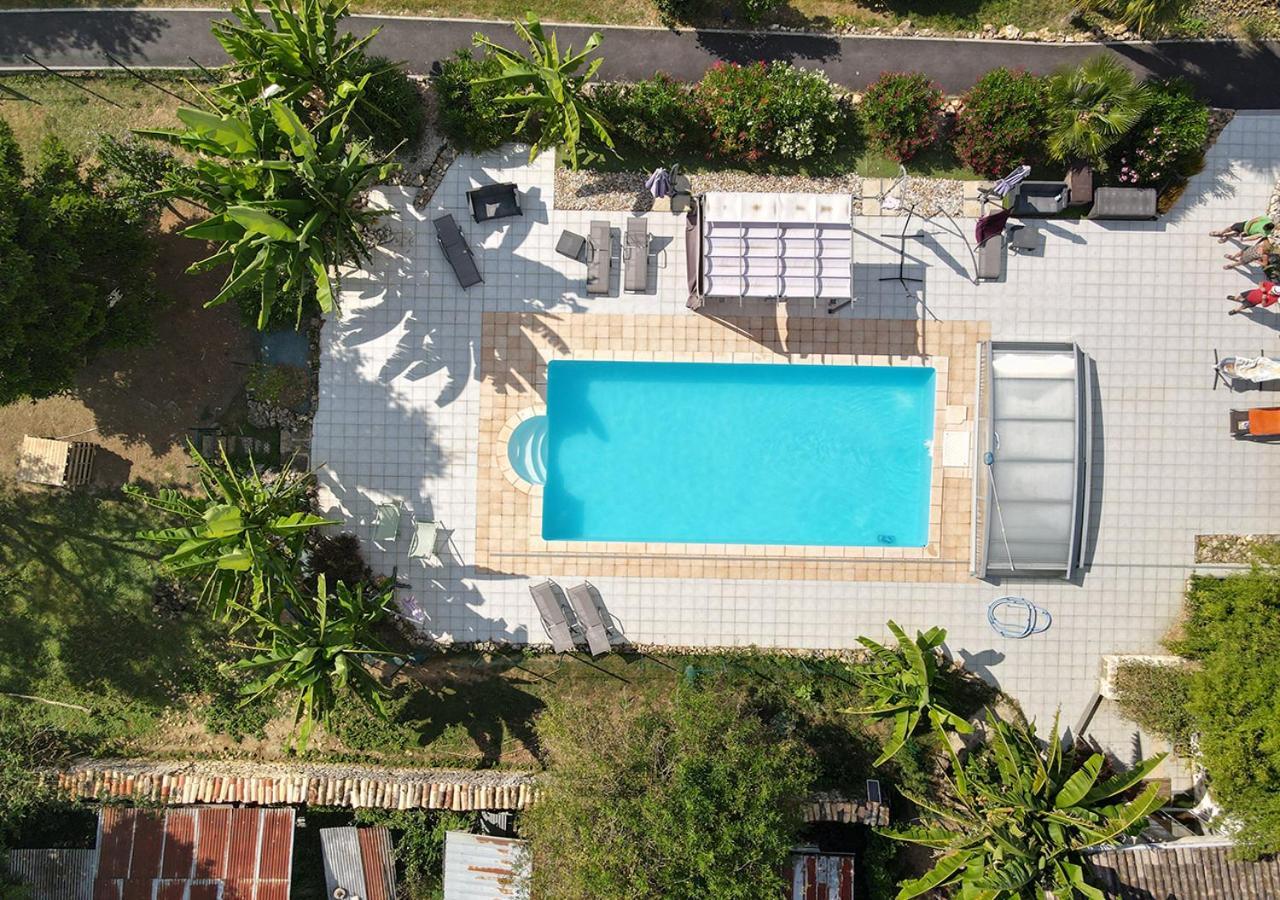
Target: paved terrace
[401,389]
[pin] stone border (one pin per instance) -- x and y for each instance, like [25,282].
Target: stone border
[504,458]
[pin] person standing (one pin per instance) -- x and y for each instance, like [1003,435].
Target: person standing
[1259,252]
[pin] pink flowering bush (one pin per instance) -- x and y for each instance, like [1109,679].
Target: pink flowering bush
[901,112]
[1168,142]
[770,112]
[1002,123]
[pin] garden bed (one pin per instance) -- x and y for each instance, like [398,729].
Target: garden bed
[1236,549]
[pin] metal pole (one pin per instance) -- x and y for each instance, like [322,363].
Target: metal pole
[146,80]
[71,81]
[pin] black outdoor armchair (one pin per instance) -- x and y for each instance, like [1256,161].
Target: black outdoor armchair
[494,201]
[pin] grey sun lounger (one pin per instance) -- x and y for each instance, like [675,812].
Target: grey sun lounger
[599,258]
[584,607]
[635,255]
[554,621]
[456,251]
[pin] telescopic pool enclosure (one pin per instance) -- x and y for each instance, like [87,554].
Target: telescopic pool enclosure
[1033,465]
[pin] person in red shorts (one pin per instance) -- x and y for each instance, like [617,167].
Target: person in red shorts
[1265,294]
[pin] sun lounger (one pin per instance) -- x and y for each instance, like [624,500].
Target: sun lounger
[554,621]
[386,526]
[425,541]
[1259,422]
[494,201]
[991,258]
[599,258]
[583,601]
[635,255]
[456,251]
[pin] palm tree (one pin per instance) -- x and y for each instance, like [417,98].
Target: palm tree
[548,93]
[286,199]
[318,650]
[1091,107]
[1022,818]
[904,685]
[245,535]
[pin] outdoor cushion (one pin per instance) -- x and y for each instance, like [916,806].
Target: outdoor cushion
[635,255]
[571,245]
[1123,203]
[600,260]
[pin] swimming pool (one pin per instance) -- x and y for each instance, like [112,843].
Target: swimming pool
[718,453]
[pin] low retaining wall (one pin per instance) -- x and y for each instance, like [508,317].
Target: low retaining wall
[315,785]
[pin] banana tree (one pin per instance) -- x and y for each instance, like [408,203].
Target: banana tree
[549,95]
[1022,818]
[298,55]
[319,650]
[904,685]
[244,536]
[286,200]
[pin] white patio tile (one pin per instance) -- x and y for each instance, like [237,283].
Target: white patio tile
[399,416]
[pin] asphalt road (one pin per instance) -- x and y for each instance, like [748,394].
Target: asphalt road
[1225,73]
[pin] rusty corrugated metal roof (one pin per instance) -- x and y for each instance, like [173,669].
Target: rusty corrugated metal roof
[821,876]
[477,867]
[201,853]
[1174,872]
[361,861]
[379,859]
[54,874]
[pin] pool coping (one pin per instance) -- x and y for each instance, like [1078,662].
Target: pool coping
[516,349]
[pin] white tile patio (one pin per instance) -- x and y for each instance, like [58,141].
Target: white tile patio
[399,410]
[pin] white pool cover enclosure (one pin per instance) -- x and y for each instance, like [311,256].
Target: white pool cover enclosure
[1032,459]
[773,246]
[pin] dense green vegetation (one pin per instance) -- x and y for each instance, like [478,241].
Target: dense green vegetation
[77,274]
[1232,629]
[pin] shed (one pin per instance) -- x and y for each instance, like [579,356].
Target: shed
[194,853]
[815,875]
[772,246]
[1033,459]
[54,874]
[54,462]
[478,867]
[360,861]
[1195,870]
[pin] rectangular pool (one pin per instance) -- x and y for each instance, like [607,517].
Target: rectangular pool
[717,453]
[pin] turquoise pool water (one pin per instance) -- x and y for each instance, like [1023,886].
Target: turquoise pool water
[713,453]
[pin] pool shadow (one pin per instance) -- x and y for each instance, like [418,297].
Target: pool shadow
[771,325]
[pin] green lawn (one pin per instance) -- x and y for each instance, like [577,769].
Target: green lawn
[79,118]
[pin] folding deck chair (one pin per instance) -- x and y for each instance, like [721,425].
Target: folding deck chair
[457,251]
[635,256]
[1262,423]
[386,525]
[554,621]
[425,542]
[582,599]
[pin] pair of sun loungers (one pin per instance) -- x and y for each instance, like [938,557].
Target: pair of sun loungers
[564,635]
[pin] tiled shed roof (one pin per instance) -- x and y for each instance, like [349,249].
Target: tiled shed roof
[188,854]
[1180,872]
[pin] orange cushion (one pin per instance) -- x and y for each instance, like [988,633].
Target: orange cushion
[1264,421]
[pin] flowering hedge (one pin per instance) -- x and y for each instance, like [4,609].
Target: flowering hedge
[901,113]
[1167,143]
[655,117]
[1002,123]
[770,111]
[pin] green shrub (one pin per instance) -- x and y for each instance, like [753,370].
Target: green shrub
[392,112]
[1156,697]
[646,798]
[1232,629]
[900,113]
[418,836]
[1149,18]
[755,10]
[1168,142]
[673,12]
[656,117]
[338,557]
[133,171]
[468,114]
[1002,122]
[763,112]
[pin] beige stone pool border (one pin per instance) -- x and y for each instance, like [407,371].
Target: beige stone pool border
[515,350]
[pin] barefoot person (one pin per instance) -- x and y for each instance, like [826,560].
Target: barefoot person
[1260,253]
[1249,230]
[1264,295]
